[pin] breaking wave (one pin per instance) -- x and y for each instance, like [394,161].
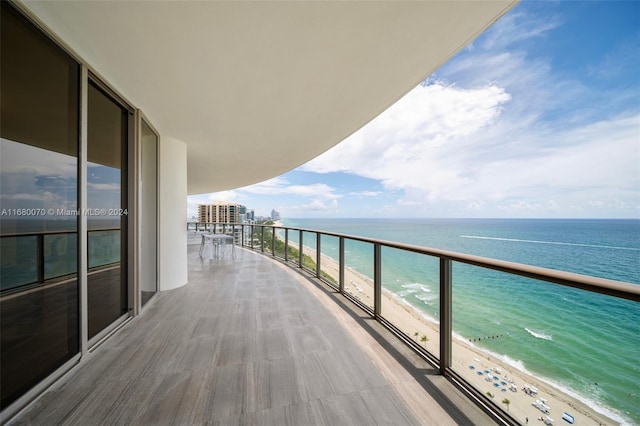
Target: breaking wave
[539,335]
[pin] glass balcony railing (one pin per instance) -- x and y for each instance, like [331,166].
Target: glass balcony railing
[445,310]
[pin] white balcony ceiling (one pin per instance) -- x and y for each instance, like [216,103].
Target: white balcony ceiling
[258,88]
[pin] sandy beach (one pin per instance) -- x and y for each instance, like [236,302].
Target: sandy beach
[483,370]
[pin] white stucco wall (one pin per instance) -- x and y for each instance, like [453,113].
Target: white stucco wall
[172,213]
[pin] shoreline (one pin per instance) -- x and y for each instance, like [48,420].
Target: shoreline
[499,376]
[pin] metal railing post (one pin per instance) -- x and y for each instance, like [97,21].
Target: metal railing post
[445,313]
[262,239]
[377,280]
[341,260]
[273,241]
[300,250]
[317,255]
[286,244]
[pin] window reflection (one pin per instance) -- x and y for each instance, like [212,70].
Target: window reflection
[38,197]
[38,187]
[18,261]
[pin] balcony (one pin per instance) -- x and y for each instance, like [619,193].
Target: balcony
[250,341]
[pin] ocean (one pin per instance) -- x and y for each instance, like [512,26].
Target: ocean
[585,344]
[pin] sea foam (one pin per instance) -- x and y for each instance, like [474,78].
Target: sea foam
[590,402]
[539,335]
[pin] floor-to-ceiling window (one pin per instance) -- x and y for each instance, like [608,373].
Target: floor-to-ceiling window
[39,129]
[107,212]
[45,319]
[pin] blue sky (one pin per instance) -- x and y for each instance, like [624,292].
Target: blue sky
[538,117]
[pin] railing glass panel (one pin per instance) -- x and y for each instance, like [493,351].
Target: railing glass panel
[330,258]
[294,252]
[519,341]
[279,243]
[256,238]
[291,257]
[358,280]
[267,235]
[410,296]
[309,251]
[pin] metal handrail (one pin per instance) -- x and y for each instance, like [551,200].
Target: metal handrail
[569,279]
[609,287]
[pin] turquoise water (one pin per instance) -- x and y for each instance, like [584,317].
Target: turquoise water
[586,344]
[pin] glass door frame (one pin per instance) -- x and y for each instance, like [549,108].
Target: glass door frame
[128,228]
[138,199]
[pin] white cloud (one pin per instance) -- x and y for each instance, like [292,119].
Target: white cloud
[267,187]
[316,190]
[40,161]
[104,186]
[517,27]
[323,197]
[280,186]
[411,145]
[412,131]
[491,161]
[316,206]
[223,196]
[595,162]
[362,194]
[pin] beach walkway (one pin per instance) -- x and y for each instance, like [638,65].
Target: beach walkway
[250,341]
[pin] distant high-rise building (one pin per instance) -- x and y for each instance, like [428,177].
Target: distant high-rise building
[220,212]
[275,215]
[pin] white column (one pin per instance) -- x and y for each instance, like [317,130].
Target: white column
[172,213]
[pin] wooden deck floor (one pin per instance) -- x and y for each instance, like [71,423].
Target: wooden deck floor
[251,342]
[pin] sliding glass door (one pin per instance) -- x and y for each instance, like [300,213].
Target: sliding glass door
[39,290]
[107,212]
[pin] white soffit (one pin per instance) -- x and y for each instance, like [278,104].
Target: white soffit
[258,88]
